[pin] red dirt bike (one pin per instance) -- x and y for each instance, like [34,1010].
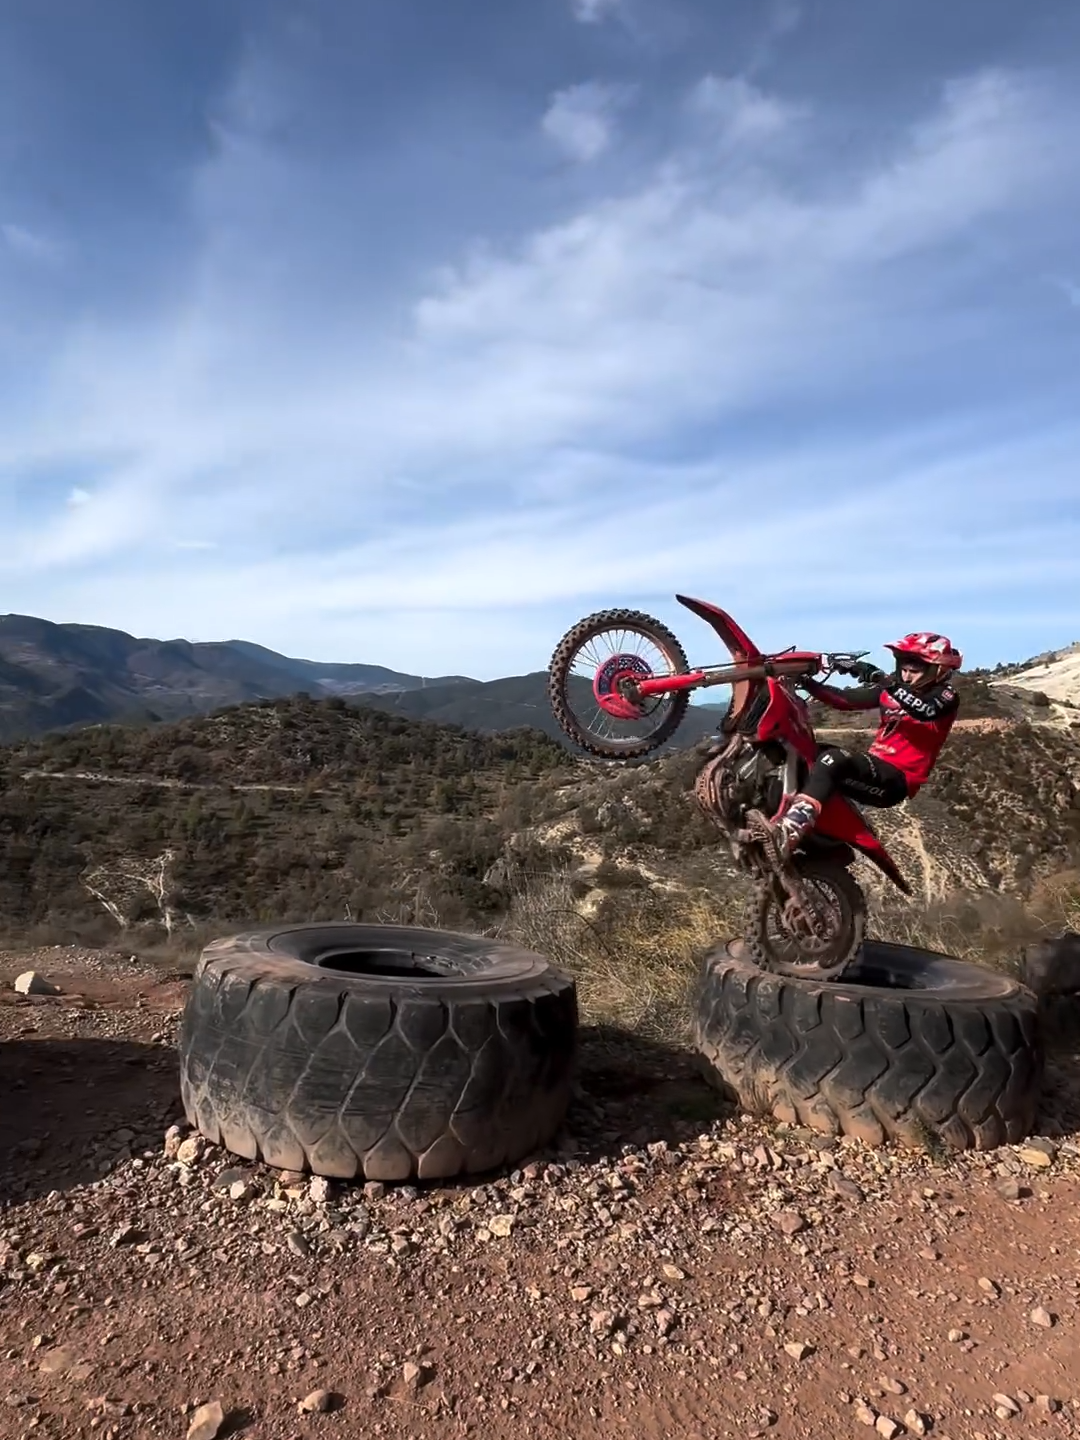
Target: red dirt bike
[808,914]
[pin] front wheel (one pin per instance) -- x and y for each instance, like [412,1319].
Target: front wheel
[593,666]
[777,941]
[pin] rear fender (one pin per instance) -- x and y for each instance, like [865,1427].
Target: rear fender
[841,821]
[732,634]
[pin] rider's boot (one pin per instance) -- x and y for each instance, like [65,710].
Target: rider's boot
[795,822]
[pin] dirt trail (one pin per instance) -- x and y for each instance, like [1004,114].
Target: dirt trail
[672,1270]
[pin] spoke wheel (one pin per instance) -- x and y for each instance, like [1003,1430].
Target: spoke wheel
[781,940]
[590,670]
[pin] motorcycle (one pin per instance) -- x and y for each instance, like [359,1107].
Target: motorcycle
[808,913]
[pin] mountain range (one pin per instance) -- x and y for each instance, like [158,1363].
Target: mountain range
[65,676]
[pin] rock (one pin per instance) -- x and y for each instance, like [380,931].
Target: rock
[207,1421]
[672,1272]
[1036,1156]
[894,1387]
[990,1287]
[240,1190]
[1053,966]
[414,1376]
[581,1293]
[956,1337]
[1047,1404]
[297,1244]
[303,1300]
[917,1423]
[57,1361]
[374,1190]
[841,1185]
[888,1429]
[789,1222]
[501,1225]
[1042,1317]
[319,1402]
[1010,1189]
[1005,1406]
[127,1235]
[320,1190]
[865,1415]
[601,1322]
[31,983]
[190,1151]
[798,1349]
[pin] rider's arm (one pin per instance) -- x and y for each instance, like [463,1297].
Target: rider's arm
[929,705]
[856,697]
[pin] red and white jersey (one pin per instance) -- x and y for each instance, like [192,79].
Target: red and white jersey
[914,723]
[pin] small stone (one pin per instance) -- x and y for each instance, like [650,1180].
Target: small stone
[206,1422]
[917,1423]
[303,1300]
[1041,1316]
[672,1272]
[297,1244]
[956,1337]
[894,1387]
[57,1361]
[240,1190]
[1040,1159]
[320,1190]
[501,1225]
[581,1293]
[665,1321]
[414,1376]
[789,1223]
[126,1235]
[401,1246]
[1010,1189]
[842,1186]
[374,1190]
[318,1402]
[798,1349]
[990,1287]
[1047,1404]
[190,1151]
[865,1415]
[601,1322]
[31,983]
[1004,1406]
[888,1429]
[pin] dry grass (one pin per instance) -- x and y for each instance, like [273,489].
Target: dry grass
[635,962]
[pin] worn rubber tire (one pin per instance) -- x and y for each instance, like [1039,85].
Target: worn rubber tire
[956,1061]
[459,1067]
[559,679]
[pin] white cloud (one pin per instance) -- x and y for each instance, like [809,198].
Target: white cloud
[742,112]
[592,12]
[31,245]
[1069,288]
[78,496]
[581,119]
[445,495]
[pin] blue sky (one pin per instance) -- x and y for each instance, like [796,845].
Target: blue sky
[409,331]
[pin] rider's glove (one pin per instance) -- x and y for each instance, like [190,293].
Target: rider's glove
[865,672]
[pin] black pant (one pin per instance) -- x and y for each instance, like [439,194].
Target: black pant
[860,777]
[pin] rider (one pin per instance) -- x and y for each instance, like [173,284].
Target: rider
[918,706]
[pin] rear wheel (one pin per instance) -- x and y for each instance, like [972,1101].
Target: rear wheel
[779,940]
[591,668]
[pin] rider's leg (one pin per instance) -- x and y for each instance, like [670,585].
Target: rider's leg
[862,778]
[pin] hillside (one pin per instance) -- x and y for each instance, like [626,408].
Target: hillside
[1055,675]
[300,808]
[497,705]
[57,676]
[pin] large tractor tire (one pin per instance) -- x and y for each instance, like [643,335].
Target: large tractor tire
[910,1046]
[377,1050]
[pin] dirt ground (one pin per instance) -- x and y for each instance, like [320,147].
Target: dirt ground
[671,1269]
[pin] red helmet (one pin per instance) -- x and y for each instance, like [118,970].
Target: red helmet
[937,651]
